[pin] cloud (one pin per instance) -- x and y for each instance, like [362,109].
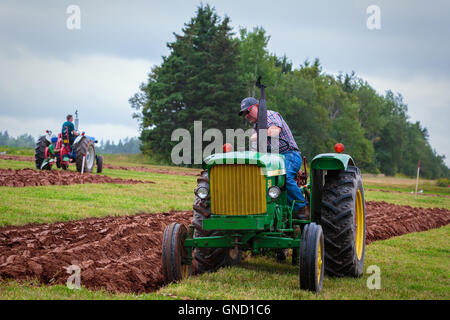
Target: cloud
[428,100]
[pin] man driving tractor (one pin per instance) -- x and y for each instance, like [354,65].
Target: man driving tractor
[68,127]
[277,127]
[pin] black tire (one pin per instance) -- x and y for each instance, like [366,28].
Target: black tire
[209,259]
[312,258]
[85,147]
[99,163]
[39,151]
[345,255]
[280,255]
[174,256]
[58,161]
[295,256]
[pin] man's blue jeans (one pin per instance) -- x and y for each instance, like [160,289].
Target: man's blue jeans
[293,165]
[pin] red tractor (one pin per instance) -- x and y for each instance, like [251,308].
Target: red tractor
[58,150]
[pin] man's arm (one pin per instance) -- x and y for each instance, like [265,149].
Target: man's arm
[273,131]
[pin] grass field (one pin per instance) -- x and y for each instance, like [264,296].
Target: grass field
[414,266]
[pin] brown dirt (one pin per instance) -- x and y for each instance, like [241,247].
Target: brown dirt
[385,220]
[115,253]
[16,158]
[31,177]
[123,254]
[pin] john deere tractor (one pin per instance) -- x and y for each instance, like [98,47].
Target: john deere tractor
[241,204]
[52,150]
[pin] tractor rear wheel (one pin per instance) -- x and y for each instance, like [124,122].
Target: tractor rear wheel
[174,258]
[85,147]
[39,151]
[312,258]
[343,221]
[209,259]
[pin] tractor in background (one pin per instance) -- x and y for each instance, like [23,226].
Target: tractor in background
[56,150]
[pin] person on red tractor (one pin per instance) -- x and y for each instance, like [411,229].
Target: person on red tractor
[68,127]
[277,127]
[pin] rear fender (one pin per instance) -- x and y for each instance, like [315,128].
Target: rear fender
[332,161]
[78,139]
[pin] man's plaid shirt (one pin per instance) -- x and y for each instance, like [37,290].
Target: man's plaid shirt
[275,119]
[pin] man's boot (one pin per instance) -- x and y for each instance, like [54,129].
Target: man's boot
[302,213]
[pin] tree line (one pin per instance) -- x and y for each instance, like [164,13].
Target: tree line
[22,141]
[127,146]
[210,70]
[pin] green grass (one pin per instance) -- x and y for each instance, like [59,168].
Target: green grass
[413,266]
[32,290]
[403,184]
[17,151]
[48,204]
[408,199]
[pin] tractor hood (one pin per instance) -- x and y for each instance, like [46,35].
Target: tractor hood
[271,164]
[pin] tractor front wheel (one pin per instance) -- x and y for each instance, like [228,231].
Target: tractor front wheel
[175,262]
[312,258]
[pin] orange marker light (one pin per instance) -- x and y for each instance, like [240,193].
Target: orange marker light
[339,147]
[227,147]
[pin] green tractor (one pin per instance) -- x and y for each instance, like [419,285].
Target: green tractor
[241,204]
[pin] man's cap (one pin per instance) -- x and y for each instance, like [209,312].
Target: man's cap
[247,103]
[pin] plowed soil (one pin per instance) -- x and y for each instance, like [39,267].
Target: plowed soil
[16,158]
[385,220]
[123,254]
[31,177]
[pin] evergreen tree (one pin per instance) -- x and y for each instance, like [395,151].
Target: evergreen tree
[199,80]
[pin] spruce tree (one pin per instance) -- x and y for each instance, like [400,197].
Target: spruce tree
[198,80]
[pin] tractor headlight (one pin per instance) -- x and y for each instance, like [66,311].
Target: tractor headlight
[202,192]
[274,192]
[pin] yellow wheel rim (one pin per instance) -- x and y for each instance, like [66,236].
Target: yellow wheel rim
[359,222]
[319,262]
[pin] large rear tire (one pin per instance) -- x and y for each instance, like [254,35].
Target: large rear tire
[209,259]
[343,221]
[85,147]
[174,256]
[39,151]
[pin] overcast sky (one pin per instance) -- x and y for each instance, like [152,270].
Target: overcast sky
[48,70]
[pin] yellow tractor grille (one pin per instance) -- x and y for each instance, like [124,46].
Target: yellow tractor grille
[237,189]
